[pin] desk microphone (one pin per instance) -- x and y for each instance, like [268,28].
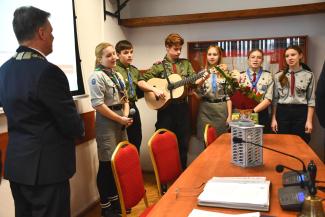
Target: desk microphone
[294,177]
[293,197]
[131,114]
[240,140]
[290,197]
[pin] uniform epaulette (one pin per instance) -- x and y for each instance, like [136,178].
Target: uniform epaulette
[242,72]
[158,62]
[266,71]
[279,71]
[306,70]
[133,66]
[182,59]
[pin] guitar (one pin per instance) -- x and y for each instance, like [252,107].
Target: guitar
[174,90]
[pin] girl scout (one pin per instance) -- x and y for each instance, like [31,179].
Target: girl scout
[215,107]
[260,81]
[294,97]
[108,98]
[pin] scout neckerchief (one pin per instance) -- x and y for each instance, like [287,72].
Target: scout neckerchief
[214,82]
[114,77]
[130,82]
[164,62]
[254,81]
[292,82]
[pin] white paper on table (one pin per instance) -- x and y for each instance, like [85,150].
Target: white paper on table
[204,213]
[236,190]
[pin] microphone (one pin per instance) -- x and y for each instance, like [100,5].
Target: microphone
[131,114]
[312,170]
[279,168]
[240,140]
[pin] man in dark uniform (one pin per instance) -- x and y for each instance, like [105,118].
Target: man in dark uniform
[42,121]
[131,74]
[175,116]
[320,96]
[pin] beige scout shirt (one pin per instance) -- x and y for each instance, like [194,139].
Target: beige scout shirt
[304,91]
[206,89]
[103,90]
[264,84]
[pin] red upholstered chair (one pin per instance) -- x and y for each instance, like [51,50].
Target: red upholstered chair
[128,177]
[210,134]
[164,154]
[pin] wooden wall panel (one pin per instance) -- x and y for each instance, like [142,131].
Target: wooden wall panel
[88,118]
[225,15]
[3,147]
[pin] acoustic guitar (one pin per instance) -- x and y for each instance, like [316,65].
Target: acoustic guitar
[173,90]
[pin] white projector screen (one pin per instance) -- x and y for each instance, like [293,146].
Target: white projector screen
[65,47]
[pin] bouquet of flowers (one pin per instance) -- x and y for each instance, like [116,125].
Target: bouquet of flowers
[242,97]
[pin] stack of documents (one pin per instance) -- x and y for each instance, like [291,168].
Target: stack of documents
[203,213]
[250,193]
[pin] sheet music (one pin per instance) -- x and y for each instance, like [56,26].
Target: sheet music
[236,192]
[203,213]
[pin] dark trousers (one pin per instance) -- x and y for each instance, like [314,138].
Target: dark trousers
[41,201]
[264,119]
[175,117]
[106,183]
[292,119]
[134,131]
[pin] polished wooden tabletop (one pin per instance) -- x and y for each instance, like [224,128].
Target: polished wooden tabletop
[215,160]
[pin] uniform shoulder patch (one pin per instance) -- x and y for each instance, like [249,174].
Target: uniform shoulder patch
[93,81]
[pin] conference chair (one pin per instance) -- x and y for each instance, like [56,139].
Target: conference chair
[128,177]
[210,134]
[0,166]
[164,154]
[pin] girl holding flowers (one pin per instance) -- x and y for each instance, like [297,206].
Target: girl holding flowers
[259,85]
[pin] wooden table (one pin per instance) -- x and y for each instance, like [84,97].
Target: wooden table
[216,161]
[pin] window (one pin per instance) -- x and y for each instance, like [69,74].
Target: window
[65,46]
[235,51]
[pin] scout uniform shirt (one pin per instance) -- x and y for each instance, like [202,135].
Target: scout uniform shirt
[303,90]
[262,82]
[131,76]
[104,90]
[107,89]
[181,66]
[213,88]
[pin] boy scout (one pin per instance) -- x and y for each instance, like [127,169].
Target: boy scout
[175,116]
[131,74]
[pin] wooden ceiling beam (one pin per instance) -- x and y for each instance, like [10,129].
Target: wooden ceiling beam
[225,15]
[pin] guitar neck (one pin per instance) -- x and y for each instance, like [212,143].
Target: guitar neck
[188,80]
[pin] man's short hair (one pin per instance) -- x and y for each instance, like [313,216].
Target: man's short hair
[123,45]
[26,22]
[174,39]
